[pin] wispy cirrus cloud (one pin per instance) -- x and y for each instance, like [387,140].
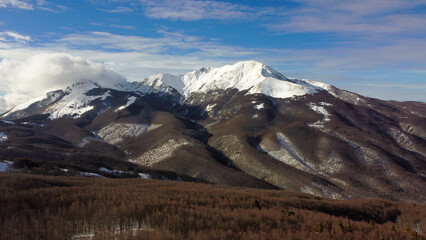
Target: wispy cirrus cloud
[197,51]
[170,42]
[357,17]
[50,7]
[189,10]
[11,37]
[119,9]
[136,56]
[32,5]
[16,4]
[127,27]
[363,17]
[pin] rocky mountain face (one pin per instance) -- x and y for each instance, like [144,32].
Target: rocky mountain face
[239,125]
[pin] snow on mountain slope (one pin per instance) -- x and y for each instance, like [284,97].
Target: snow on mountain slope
[115,133]
[76,102]
[77,99]
[130,101]
[26,104]
[287,154]
[73,102]
[320,110]
[3,137]
[161,81]
[157,83]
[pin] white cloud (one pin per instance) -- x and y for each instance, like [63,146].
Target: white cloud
[26,79]
[3,106]
[16,4]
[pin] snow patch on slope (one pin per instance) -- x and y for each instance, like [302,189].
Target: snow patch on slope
[130,101]
[156,155]
[325,104]
[288,154]
[89,174]
[8,122]
[333,164]
[320,110]
[115,133]
[402,139]
[87,140]
[210,107]
[320,190]
[366,156]
[3,137]
[5,166]
[144,176]
[120,172]
[286,144]
[259,106]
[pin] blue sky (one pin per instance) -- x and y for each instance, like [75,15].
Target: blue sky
[375,48]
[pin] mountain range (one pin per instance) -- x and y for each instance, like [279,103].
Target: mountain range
[240,125]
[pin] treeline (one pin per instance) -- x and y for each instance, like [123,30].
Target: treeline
[41,207]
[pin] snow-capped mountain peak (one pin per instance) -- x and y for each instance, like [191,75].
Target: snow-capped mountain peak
[253,76]
[76,101]
[83,86]
[161,80]
[73,101]
[241,75]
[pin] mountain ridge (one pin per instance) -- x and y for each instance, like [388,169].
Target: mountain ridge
[251,75]
[224,126]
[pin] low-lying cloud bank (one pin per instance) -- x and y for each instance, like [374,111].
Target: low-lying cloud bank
[22,80]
